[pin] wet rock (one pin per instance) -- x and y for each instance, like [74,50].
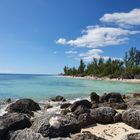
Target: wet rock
[86,136]
[117,117]
[86,120]
[94,97]
[24,106]
[65,105]
[132,118]
[64,112]
[84,103]
[58,99]
[57,126]
[103,115]
[13,121]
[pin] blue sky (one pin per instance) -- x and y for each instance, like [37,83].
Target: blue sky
[42,36]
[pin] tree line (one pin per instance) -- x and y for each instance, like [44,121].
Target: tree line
[128,68]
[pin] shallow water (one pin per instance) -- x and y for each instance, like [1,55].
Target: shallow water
[41,87]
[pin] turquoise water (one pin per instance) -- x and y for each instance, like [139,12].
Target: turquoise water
[45,86]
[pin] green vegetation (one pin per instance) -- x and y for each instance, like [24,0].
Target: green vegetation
[129,68]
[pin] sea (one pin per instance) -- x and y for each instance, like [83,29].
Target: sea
[42,87]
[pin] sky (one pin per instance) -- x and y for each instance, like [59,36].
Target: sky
[42,36]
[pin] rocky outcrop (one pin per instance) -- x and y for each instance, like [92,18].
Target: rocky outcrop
[86,136]
[132,118]
[23,106]
[103,115]
[133,136]
[94,97]
[57,126]
[65,105]
[58,99]
[13,121]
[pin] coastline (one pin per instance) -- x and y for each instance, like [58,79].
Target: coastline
[137,81]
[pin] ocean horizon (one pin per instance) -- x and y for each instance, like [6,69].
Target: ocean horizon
[44,86]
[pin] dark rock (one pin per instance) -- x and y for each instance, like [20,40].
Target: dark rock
[57,126]
[112,98]
[133,103]
[121,105]
[95,105]
[133,136]
[65,105]
[117,117]
[47,106]
[80,110]
[84,103]
[25,134]
[86,136]
[13,121]
[132,118]
[103,115]
[58,99]
[94,97]
[64,112]
[86,120]
[24,106]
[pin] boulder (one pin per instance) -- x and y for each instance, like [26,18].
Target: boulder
[103,115]
[80,110]
[13,122]
[86,136]
[25,134]
[133,103]
[86,120]
[112,98]
[132,118]
[84,103]
[94,97]
[23,106]
[121,105]
[65,105]
[117,118]
[58,99]
[57,126]
[133,136]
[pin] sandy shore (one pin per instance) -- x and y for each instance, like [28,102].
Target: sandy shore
[115,131]
[106,79]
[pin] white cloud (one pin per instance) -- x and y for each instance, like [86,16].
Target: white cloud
[71,52]
[96,36]
[130,18]
[61,41]
[94,53]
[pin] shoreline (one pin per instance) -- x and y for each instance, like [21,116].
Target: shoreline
[136,81]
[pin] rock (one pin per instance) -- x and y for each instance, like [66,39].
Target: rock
[64,112]
[136,95]
[86,136]
[25,134]
[117,117]
[80,110]
[133,136]
[58,99]
[47,106]
[133,103]
[95,105]
[132,118]
[24,106]
[112,98]
[103,115]
[86,120]
[57,126]
[121,105]
[65,105]
[84,103]
[13,121]
[94,97]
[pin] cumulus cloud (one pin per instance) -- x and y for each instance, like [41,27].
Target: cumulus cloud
[61,41]
[96,36]
[94,53]
[130,18]
[71,52]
